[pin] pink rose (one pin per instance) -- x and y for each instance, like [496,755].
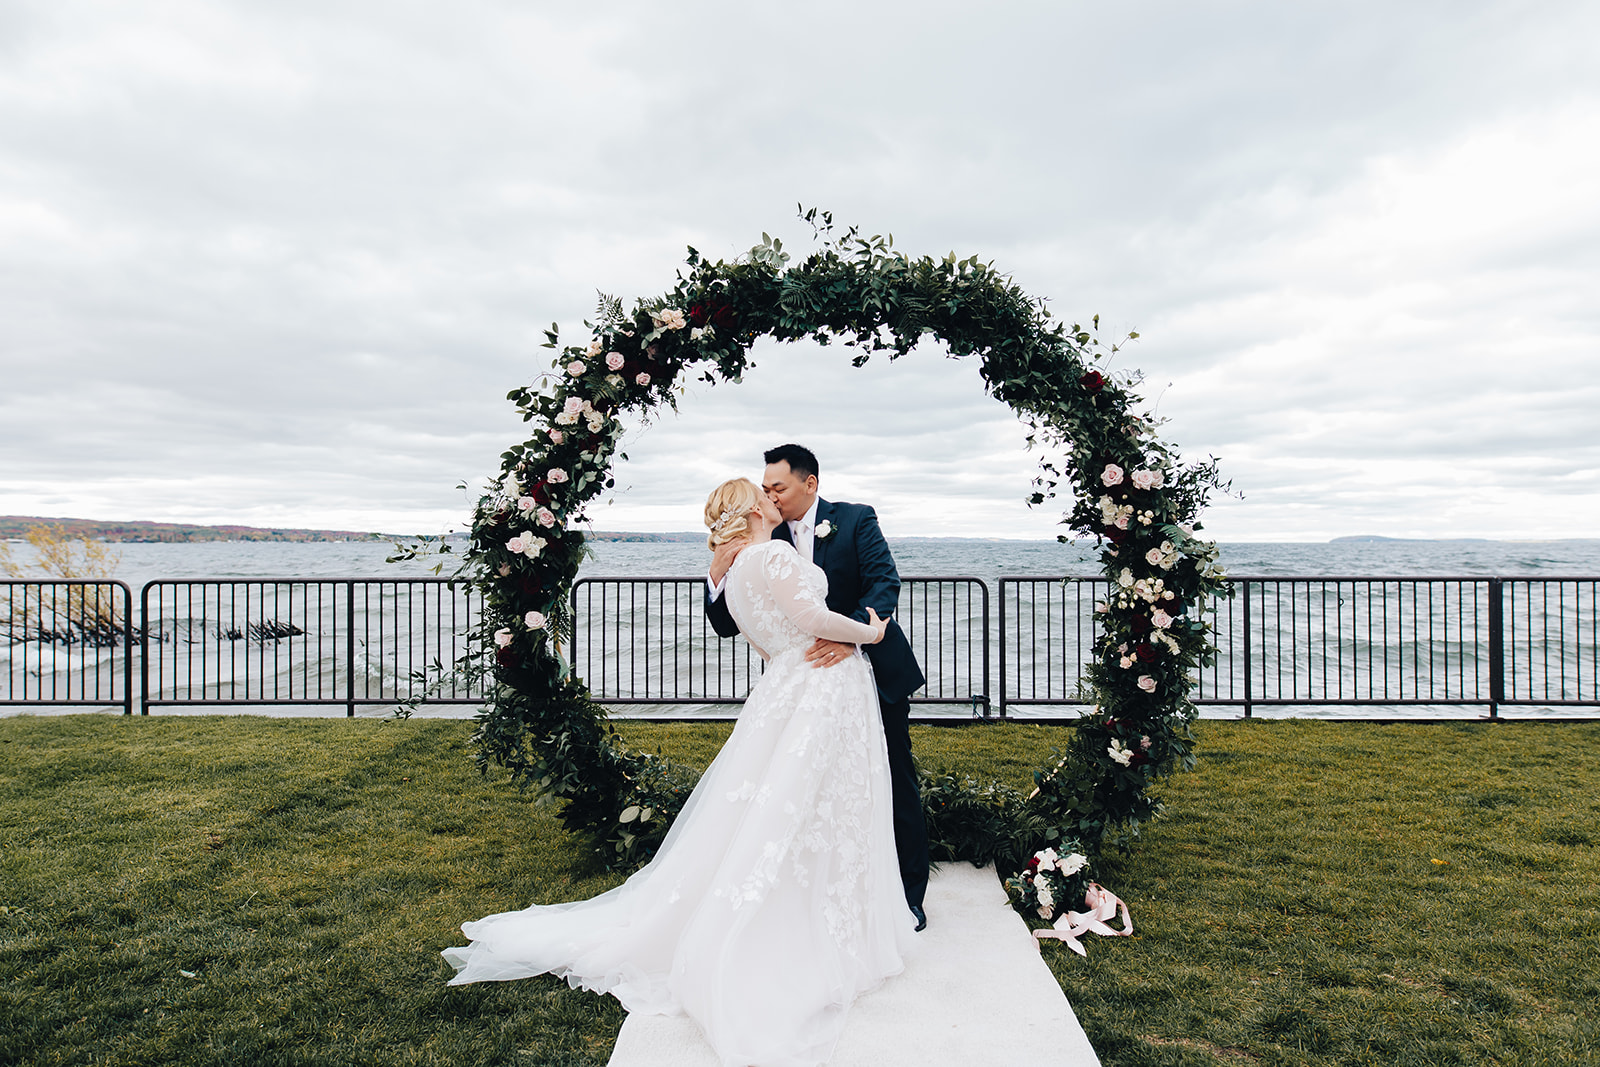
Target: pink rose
[1161,619]
[1147,479]
[1112,475]
[614,361]
[576,368]
[1147,683]
[556,476]
[574,405]
[535,620]
[547,517]
[556,436]
[643,378]
[1121,523]
[526,503]
[502,637]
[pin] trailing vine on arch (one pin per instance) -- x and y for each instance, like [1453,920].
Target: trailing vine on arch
[1128,488]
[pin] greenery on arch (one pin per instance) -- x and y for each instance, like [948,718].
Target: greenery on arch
[1127,487]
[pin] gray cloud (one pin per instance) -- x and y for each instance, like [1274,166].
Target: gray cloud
[280,264]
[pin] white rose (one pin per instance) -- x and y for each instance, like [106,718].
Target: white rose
[597,423]
[532,546]
[534,620]
[1072,864]
[696,333]
[614,380]
[594,348]
[566,418]
[1125,579]
[1120,753]
[502,637]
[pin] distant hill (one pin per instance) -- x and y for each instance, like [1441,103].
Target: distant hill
[12,526]
[1374,537]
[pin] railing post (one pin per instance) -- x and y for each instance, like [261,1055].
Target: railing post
[350,649]
[144,648]
[1002,616]
[1497,646]
[127,645]
[984,586]
[1244,587]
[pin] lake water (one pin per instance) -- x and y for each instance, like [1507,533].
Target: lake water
[986,559]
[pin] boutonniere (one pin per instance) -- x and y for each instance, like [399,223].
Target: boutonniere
[825,530]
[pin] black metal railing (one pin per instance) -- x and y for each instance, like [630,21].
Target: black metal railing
[66,642]
[1333,641]
[646,641]
[1283,643]
[291,641]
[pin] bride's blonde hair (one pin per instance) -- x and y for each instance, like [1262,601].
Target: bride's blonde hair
[728,510]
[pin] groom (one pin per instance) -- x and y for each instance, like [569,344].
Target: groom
[844,540]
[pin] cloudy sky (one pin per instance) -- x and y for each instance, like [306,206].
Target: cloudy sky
[279,263]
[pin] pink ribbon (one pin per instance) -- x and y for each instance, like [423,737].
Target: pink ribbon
[1103,904]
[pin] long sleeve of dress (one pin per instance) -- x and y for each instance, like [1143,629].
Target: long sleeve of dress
[803,607]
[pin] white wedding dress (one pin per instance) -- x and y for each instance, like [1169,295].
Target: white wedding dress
[775,899]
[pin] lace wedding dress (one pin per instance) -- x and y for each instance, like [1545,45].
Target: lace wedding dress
[775,899]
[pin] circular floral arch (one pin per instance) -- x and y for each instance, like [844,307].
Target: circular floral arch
[1128,488]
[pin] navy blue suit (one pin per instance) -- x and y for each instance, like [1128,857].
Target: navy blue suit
[861,574]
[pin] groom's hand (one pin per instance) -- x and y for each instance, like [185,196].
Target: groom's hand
[825,653]
[723,556]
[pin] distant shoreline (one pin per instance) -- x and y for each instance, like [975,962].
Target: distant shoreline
[14,527]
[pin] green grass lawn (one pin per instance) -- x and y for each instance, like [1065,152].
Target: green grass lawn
[259,891]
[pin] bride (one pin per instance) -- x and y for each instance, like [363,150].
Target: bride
[775,899]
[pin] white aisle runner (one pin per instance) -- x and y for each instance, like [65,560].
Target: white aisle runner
[975,992]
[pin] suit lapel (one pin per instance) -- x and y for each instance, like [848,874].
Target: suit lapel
[819,546]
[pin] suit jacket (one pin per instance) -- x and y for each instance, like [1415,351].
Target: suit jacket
[861,574]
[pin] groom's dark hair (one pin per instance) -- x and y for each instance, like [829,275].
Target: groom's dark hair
[798,457]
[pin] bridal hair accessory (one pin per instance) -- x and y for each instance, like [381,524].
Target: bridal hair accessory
[722,520]
[1103,904]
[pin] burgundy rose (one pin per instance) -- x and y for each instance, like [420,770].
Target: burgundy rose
[530,584]
[1146,653]
[698,314]
[506,657]
[723,317]
[1142,625]
[1093,381]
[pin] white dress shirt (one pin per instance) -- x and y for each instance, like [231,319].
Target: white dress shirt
[802,531]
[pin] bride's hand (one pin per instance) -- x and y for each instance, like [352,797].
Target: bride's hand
[880,625]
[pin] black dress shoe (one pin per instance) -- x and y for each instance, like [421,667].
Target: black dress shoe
[921,916]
